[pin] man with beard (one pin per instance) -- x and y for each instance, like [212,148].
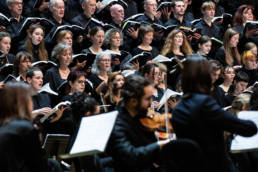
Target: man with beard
[132,146]
[178,18]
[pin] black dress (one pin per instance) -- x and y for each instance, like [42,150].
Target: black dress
[174,70]
[96,81]
[54,78]
[142,61]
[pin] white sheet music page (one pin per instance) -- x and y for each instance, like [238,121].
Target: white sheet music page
[244,144]
[94,133]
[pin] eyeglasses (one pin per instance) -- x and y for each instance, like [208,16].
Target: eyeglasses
[60,8]
[152,5]
[81,81]
[17,3]
[106,60]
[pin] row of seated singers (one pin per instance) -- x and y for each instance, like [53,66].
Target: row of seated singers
[178,10]
[62,55]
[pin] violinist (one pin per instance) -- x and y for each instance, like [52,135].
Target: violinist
[132,147]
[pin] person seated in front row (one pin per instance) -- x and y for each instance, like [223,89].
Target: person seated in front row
[20,144]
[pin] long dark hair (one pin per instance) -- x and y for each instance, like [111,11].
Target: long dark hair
[196,75]
[14,98]
[43,55]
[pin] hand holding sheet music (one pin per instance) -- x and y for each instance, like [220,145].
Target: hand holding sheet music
[55,109]
[245,144]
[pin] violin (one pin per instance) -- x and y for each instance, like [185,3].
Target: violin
[155,120]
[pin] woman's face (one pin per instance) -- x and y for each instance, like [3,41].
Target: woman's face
[24,64]
[65,57]
[147,38]
[68,38]
[78,85]
[229,75]
[153,76]
[178,39]
[251,64]
[205,48]
[254,50]
[98,38]
[234,40]
[5,44]
[119,81]
[248,15]
[37,80]
[37,36]
[115,40]
[104,64]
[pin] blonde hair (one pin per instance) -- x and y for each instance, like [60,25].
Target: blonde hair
[228,49]
[247,55]
[208,5]
[169,44]
[62,34]
[241,102]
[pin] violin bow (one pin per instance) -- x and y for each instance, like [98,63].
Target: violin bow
[103,101]
[164,76]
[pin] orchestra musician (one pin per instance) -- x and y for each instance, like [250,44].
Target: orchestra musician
[200,118]
[132,147]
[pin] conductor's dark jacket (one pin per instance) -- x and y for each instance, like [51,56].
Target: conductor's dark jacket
[200,118]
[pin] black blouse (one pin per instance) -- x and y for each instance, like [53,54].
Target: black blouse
[54,78]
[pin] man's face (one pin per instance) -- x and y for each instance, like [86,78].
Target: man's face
[142,107]
[150,7]
[89,7]
[179,8]
[209,13]
[15,7]
[118,13]
[58,9]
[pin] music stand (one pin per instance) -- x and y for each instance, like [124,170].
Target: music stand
[56,144]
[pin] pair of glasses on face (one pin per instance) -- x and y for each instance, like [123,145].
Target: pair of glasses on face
[82,81]
[106,60]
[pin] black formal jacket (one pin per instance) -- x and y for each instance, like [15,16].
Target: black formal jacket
[200,118]
[132,147]
[20,148]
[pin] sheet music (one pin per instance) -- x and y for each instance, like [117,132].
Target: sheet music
[243,144]
[94,133]
[167,95]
